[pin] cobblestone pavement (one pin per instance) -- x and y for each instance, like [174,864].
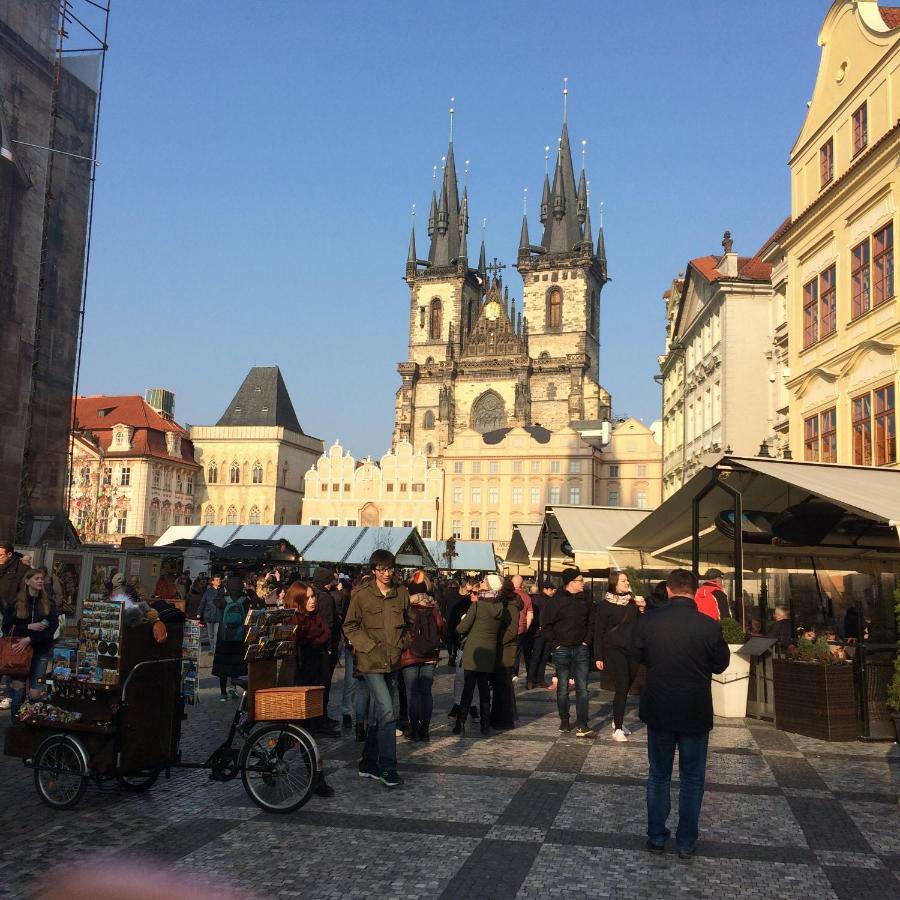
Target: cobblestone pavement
[527,813]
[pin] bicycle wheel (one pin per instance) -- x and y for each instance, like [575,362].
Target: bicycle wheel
[279,767]
[138,781]
[60,771]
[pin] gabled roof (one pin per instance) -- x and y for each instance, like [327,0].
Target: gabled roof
[262,399]
[750,268]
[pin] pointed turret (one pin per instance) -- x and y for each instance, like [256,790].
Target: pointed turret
[524,242]
[482,265]
[432,214]
[582,198]
[601,250]
[464,225]
[545,200]
[587,241]
[562,229]
[445,243]
[411,256]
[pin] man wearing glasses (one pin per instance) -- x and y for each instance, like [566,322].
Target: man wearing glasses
[377,625]
[566,627]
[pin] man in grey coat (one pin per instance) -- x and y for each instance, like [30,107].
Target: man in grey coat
[210,610]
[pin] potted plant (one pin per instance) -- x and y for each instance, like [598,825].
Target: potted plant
[729,688]
[814,692]
[893,697]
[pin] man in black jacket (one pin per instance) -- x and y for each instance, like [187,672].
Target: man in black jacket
[681,649]
[566,626]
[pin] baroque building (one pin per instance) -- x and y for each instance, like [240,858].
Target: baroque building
[477,362]
[403,488]
[133,471]
[842,308]
[254,458]
[632,466]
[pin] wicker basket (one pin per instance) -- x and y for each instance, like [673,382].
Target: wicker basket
[288,703]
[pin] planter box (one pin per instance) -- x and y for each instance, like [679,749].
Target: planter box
[729,688]
[815,700]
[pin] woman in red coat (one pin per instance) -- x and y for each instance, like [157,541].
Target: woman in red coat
[312,638]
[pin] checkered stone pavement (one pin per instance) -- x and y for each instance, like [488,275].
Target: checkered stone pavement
[526,813]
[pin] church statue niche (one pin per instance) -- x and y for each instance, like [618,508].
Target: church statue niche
[428,420]
[444,404]
[523,398]
[488,413]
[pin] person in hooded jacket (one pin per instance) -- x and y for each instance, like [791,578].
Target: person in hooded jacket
[503,695]
[228,661]
[614,620]
[420,658]
[481,625]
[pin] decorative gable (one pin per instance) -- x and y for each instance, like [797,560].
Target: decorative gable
[495,333]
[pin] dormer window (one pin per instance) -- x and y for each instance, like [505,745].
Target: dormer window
[173,443]
[121,438]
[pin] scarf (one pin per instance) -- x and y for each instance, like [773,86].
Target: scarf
[619,599]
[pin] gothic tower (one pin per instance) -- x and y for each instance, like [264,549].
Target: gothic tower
[562,280]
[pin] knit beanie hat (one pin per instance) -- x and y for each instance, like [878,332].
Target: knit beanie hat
[494,581]
[569,575]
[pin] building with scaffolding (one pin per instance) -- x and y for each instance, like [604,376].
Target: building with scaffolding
[51,56]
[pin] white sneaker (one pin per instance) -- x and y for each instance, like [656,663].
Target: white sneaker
[624,730]
[619,735]
[515,678]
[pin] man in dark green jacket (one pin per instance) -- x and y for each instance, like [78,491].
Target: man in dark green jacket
[377,625]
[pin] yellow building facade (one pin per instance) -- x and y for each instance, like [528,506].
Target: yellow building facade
[842,309]
[631,474]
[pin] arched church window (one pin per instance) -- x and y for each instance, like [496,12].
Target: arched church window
[254,515]
[212,474]
[554,308]
[429,361]
[257,474]
[434,322]
[488,413]
[544,355]
[234,475]
[231,516]
[551,391]
[428,421]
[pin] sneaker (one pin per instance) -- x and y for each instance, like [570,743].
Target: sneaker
[655,849]
[390,779]
[515,678]
[584,732]
[367,770]
[398,732]
[564,725]
[619,735]
[686,854]
[224,698]
[626,731]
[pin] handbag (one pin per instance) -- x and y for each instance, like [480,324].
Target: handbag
[12,662]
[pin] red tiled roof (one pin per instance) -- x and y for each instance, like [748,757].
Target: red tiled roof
[667,294]
[775,236]
[749,269]
[150,427]
[891,16]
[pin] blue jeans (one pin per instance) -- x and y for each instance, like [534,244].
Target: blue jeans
[380,749]
[692,770]
[420,703]
[349,691]
[575,660]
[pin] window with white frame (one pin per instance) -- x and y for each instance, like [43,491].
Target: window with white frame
[476,495]
[517,466]
[493,495]
[574,466]
[456,528]
[535,496]
[474,530]
[553,495]
[575,495]
[517,495]
[492,531]
[315,521]
[457,493]
[426,529]
[476,467]
[332,523]
[535,467]
[122,523]
[388,523]
[351,523]
[493,467]
[640,499]
[457,468]
[612,497]
[555,466]
[613,471]
[125,476]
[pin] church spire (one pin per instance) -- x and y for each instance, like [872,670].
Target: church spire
[482,265]
[582,202]
[524,243]
[445,242]
[562,229]
[411,256]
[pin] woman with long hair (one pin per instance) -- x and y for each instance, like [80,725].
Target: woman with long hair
[420,658]
[482,624]
[32,619]
[503,695]
[615,617]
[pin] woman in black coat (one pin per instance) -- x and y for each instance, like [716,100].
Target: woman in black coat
[615,617]
[228,661]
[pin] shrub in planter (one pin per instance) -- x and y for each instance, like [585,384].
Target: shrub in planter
[732,631]
[729,688]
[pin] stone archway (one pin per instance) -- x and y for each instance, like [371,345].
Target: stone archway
[369,515]
[488,412]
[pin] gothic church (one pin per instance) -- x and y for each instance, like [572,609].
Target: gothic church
[477,362]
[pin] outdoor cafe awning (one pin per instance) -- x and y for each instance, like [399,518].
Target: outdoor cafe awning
[864,539]
[524,545]
[471,556]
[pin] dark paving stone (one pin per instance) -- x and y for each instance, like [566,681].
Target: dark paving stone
[892,861]
[182,838]
[518,736]
[465,770]
[395,824]
[756,790]
[826,824]
[857,883]
[795,773]
[770,739]
[536,803]
[495,869]
[565,757]
[735,751]
[866,797]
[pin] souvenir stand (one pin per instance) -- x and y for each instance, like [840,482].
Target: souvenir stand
[115,690]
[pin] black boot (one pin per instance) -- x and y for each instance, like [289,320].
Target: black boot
[459,727]
[474,711]
[454,711]
[423,731]
[485,719]
[412,731]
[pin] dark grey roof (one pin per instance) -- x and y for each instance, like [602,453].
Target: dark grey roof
[262,399]
[562,230]
[537,432]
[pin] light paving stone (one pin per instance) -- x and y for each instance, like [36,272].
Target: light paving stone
[878,823]
[864,775]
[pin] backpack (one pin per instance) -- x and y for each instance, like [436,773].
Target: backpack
[233,619]
[705,599]
[426,641]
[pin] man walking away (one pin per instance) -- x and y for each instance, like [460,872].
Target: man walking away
[540,652]
[711,600]
[210,611]
[377,625]
[682,649]
[567,629]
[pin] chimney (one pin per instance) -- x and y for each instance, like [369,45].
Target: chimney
[728,264]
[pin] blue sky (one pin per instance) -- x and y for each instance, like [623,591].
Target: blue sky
[259,162]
